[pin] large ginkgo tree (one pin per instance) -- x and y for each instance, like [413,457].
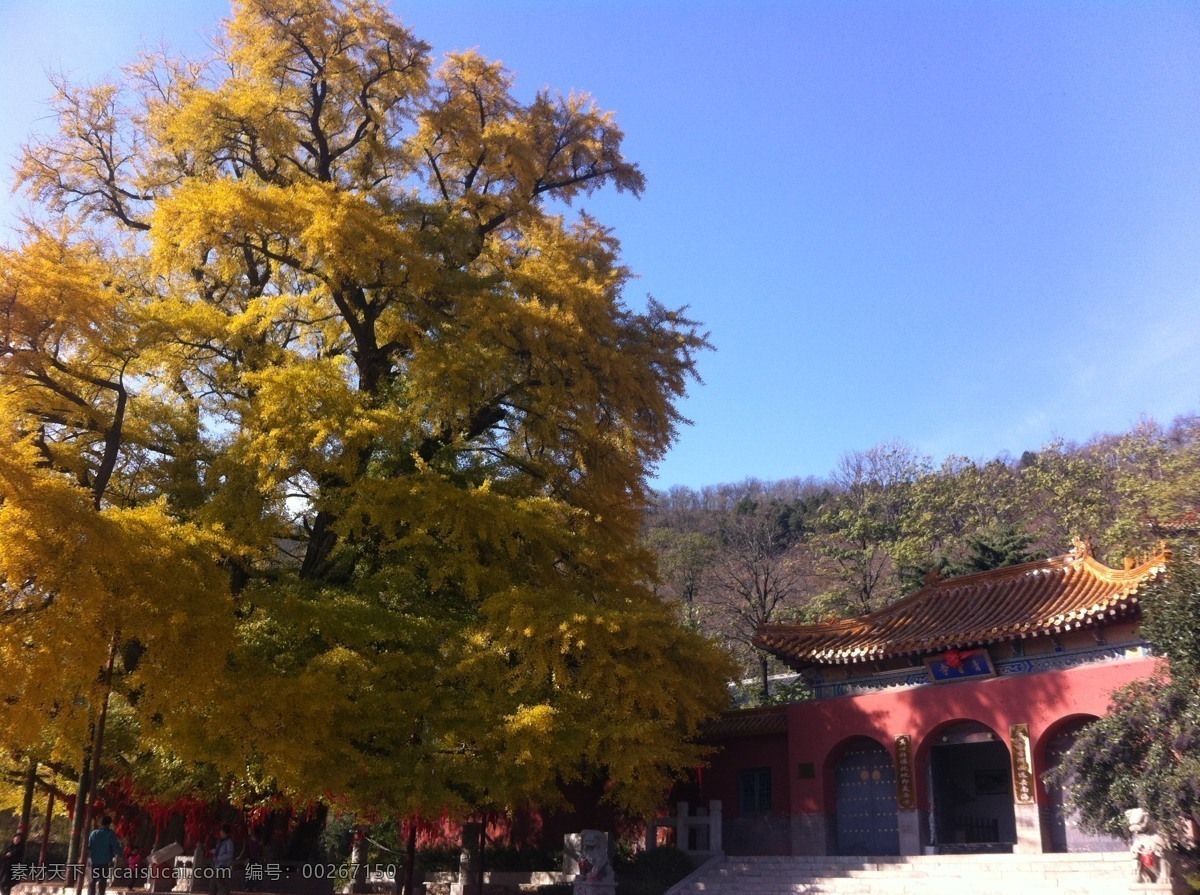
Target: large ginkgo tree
[325,429]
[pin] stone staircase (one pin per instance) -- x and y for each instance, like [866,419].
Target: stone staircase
[1033,874]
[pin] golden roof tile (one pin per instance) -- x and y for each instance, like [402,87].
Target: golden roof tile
[1044,597]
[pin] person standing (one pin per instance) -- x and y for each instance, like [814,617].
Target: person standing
[13,856]
[223,861]
[103,848]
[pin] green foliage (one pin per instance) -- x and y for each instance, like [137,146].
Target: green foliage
[995,548]
[1069,492]
[652,872]
[1172,609]
[683,560]
[866,535]
[989,548]
[1146,751]
[869,532]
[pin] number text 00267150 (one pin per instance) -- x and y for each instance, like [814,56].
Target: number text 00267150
[346,871]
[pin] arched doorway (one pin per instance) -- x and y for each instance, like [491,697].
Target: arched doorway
[865,800]
[1061,830]
[970,774]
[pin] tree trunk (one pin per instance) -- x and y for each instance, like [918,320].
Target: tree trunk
[45,851]
[73,847]
[470,859]
[97,752]
[410,858]
[27,803]
[766,681]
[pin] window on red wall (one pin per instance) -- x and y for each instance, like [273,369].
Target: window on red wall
[754,791]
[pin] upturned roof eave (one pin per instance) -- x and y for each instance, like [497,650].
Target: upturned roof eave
[781,640]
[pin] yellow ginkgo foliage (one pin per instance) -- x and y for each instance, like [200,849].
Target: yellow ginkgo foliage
[324,416]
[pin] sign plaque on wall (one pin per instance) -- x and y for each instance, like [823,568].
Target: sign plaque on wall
[904,773]
[957,665]
[1022,761]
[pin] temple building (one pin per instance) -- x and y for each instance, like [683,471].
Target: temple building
[935,719]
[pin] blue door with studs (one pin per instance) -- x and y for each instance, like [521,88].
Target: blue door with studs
[865,784]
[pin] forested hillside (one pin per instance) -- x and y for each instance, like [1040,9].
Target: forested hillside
[736,556]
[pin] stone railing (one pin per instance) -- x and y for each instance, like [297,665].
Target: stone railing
[697,834]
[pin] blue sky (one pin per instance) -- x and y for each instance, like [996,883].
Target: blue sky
[973,227]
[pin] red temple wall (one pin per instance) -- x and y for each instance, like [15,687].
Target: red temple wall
[720,779]
[817,729]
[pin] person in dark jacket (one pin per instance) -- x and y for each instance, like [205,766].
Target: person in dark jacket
[13,855]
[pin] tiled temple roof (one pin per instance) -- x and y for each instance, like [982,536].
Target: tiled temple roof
[747,722]
[1045,597]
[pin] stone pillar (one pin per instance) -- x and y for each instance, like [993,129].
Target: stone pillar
[1029,830]
[909,822]
[572,848]
[716,824]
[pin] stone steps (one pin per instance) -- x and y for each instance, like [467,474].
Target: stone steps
[1066,874]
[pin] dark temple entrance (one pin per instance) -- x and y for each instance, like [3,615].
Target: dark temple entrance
[970,771]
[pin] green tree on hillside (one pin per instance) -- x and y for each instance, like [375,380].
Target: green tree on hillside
[865,533]
[870,532]
[684,559]
[981,551]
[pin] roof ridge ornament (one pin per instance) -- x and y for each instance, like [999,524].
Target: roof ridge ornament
[1083,548]
[933,575]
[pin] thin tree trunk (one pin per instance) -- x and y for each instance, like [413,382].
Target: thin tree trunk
[73,847]
[45,851]
[27,803]
[766,681]
[410,858]
[97,752]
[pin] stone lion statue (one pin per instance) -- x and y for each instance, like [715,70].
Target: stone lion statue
[1148,848]
[594,865]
